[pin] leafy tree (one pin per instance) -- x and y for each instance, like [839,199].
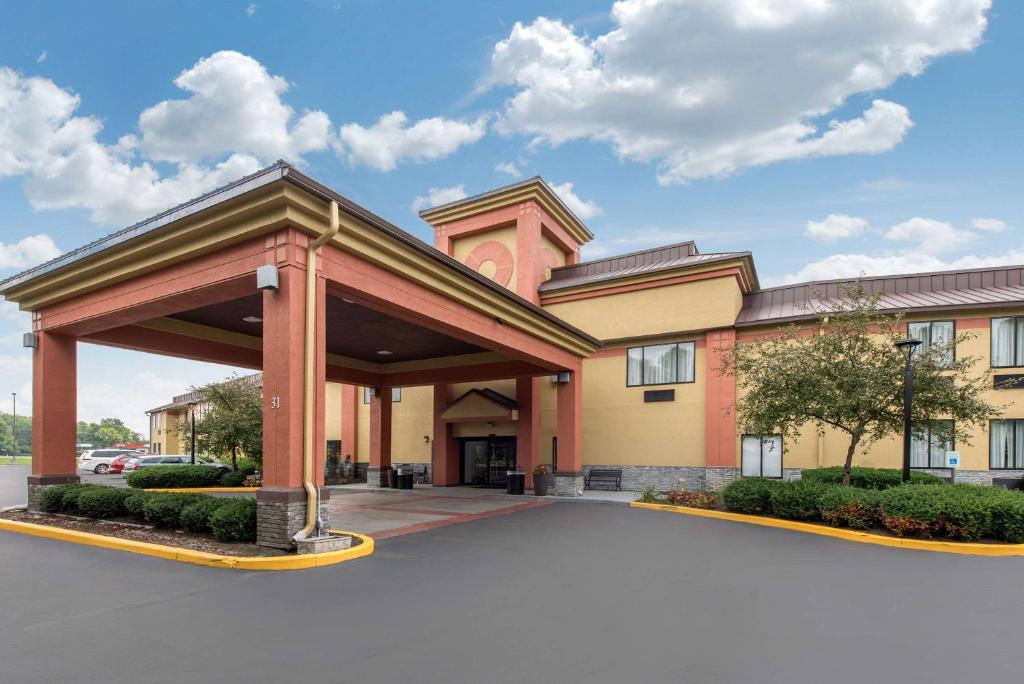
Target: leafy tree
[24,435]
[106,433]
[845,372]
[230,420]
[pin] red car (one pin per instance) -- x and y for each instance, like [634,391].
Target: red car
[117,465]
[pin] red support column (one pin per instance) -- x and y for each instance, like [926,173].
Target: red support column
[380,436]
[720,424]
[444,450]
[350,421]
[569,478]
[528,426]
[54,414]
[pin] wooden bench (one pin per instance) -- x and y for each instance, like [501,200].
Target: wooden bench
[609,476]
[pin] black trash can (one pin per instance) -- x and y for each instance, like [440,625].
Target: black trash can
[392,479]
[405,478]
[516,482]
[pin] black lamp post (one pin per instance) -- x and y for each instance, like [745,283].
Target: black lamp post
[192,415]
[907,347]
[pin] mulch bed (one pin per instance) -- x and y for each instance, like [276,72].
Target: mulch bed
[124,529]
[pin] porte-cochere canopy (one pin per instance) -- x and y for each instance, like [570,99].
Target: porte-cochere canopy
[388,311]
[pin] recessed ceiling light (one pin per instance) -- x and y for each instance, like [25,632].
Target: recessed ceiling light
[384,352]
[252,319]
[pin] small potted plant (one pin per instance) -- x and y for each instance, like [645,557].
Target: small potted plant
[541,478]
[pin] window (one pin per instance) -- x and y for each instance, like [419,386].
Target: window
[938,334]
[1006,444]
[660,364]
[761,456]
[1007,342]
[396,395]
[929,446]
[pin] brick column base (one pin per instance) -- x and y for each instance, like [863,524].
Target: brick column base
[377,477]
[37,484]
[281,513]
[567,484]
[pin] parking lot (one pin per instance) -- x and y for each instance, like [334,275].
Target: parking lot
[567,592]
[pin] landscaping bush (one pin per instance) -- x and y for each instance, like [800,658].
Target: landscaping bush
[52,499]
[850,507]
[103,502]
[174,477]
[797,500]
[195,517]
[164,510]
[1008,516]
[69,499]
[749,495]
[966,512]
[235,520]
[236,478]
[135,502]
[867,478]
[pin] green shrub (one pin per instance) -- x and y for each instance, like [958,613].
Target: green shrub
[649,495]
[135,502]
[235,520]
[164,510]
[681,497]
[236,478]
[52,499]
[965,512]
[1008,516]
[71,492]
[749,495]
[195,517]
[103,502]
[797,500]
[850,507]
[174,477]
[867,478]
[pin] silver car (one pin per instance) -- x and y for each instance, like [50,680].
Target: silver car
[169,459]
[98,460]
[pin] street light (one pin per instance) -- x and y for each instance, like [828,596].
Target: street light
[907,347]
[192,413]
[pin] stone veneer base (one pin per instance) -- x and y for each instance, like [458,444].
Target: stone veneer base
[281,513]
[567,485]
[37,484]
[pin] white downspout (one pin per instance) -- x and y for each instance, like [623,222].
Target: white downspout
[312,493]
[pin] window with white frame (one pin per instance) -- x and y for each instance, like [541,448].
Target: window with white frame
[929,444]
[396,395]
[761,456]
[1008,342]
[660,364]
[1006,444]
[935,335]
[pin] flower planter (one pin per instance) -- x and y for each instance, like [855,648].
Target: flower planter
[540,484]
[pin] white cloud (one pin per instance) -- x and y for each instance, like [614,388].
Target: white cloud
[584,209]
[28,251]
[438,196]
[836,227]
[234,106]
[706,89]
[42,57]
[251,9]
[509,168]
[932,236]
[392,140]
[853,265]
[989,225]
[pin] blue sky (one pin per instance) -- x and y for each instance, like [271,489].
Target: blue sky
[670,120]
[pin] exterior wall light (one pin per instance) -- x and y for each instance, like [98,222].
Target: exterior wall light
[30,340]
[559,378]
[266,278]
[252,319]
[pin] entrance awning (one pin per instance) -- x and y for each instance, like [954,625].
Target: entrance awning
[481,406]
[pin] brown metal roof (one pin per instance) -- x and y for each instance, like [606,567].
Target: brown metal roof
[635,263]
[976,288]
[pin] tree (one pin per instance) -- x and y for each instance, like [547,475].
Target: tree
[106,433]
[231,420]
[845,372]
[24,435]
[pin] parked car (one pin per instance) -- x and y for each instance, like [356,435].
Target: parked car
[117,465]
[169,459]
[99,460]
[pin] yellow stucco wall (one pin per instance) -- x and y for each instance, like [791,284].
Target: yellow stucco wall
[332,407]
[697,305]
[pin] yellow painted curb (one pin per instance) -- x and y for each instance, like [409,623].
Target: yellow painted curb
[203,490]
[214,560]
[962,548]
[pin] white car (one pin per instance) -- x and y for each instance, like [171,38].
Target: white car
[98,460]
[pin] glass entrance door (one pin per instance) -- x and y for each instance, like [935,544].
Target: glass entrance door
[486,460]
